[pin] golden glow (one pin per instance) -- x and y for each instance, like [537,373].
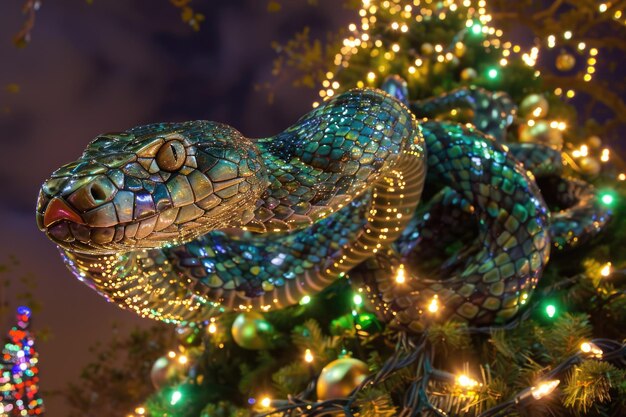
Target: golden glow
[607,268]
[401,275]
[591,349]
[140,410]
[308,356]
[605,155]
[371,76]
[466,382]
[171,354]
[212,328]
[182,359]
[621,177]
[266,402]
[433,307]
[545,388]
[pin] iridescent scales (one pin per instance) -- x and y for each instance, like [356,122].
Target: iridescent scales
[344,181]
[490,279]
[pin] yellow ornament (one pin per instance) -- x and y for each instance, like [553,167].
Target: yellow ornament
[534,106]
[541,132]
[565,61]
[468,74]
[251,331]
[589,165]
[340,377]
[594,142]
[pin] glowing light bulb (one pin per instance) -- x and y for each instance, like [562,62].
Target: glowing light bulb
[371,76]
[545,388]
[212,328]
[182,359]
[433,307]
[305,300]
[266,402]
[607,198]
[476,28]
[606,269]
[308,356]
[357,299]
[171,354]
[492,73]
[176,396]
[465,381]
[140,410]
[605,155]
[400,275]
[567,34]
[591,349]
[551,310]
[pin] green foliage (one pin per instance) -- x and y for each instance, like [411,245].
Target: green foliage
[591,384]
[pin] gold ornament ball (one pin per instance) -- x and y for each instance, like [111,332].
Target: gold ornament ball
[251,331]
[589,165]
[542,133]
[565,61]
[340,377]
[468,74]
[534,106]
[427,48]
[164,370]
[594,142]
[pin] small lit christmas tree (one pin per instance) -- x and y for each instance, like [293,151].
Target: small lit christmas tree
[19,380]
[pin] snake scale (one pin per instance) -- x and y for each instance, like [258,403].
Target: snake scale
[181,221]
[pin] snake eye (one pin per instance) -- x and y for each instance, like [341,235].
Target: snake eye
[171,155]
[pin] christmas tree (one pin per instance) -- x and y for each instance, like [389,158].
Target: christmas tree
[19,380]
[349,350]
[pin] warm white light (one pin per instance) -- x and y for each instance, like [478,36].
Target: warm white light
[371,76]
[545,388]
[140,410]
[212,328]
[266,402]
[433,307]
[401,275]
[465,381]
[592,349]
[606,269]
[182,359]
[567,35]
[605,155]
[171,354]
[308,356]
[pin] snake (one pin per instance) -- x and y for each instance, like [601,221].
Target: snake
[577,214]
[182,221]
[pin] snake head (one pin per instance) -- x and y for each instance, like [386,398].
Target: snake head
[151,186]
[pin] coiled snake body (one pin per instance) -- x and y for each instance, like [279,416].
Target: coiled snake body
[181,221]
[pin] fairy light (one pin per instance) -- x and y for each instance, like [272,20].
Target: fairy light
[591,349]
[308,356]
[603,7]
[266,402]
[466,382]
[140,410]
[605,155]
[433,307]
[171,354]
[567,34]
[606,269]
[176,397]
[621,177]
[212,328]
[182,359]
[357,299]
[544,389]
[371,76]
[400,275]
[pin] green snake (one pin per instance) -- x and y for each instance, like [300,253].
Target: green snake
[180,221]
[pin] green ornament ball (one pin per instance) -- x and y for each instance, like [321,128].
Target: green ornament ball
[165,370]
[340,377]
[251,331]
[534,106]
[542,133]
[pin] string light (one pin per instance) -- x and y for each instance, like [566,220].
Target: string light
[212,328]
[182,359]
[550,310]
[606,269]
[305,300]
[308,356]
[357,299]
[140,410]
[433,307]
[466,382]
[544,389]
[400,275]
[266,402]
[176,397]
[605,155]
[591,349]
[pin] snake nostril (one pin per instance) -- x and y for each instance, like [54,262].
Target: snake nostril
[98,193]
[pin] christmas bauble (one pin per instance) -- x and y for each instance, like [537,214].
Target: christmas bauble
[165,370]
[541,132]
[251,331]
[340,377]
[189,336]
[468,74]
[589,165]
[594,141]
[534,106]
[427,48]
[565,61]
